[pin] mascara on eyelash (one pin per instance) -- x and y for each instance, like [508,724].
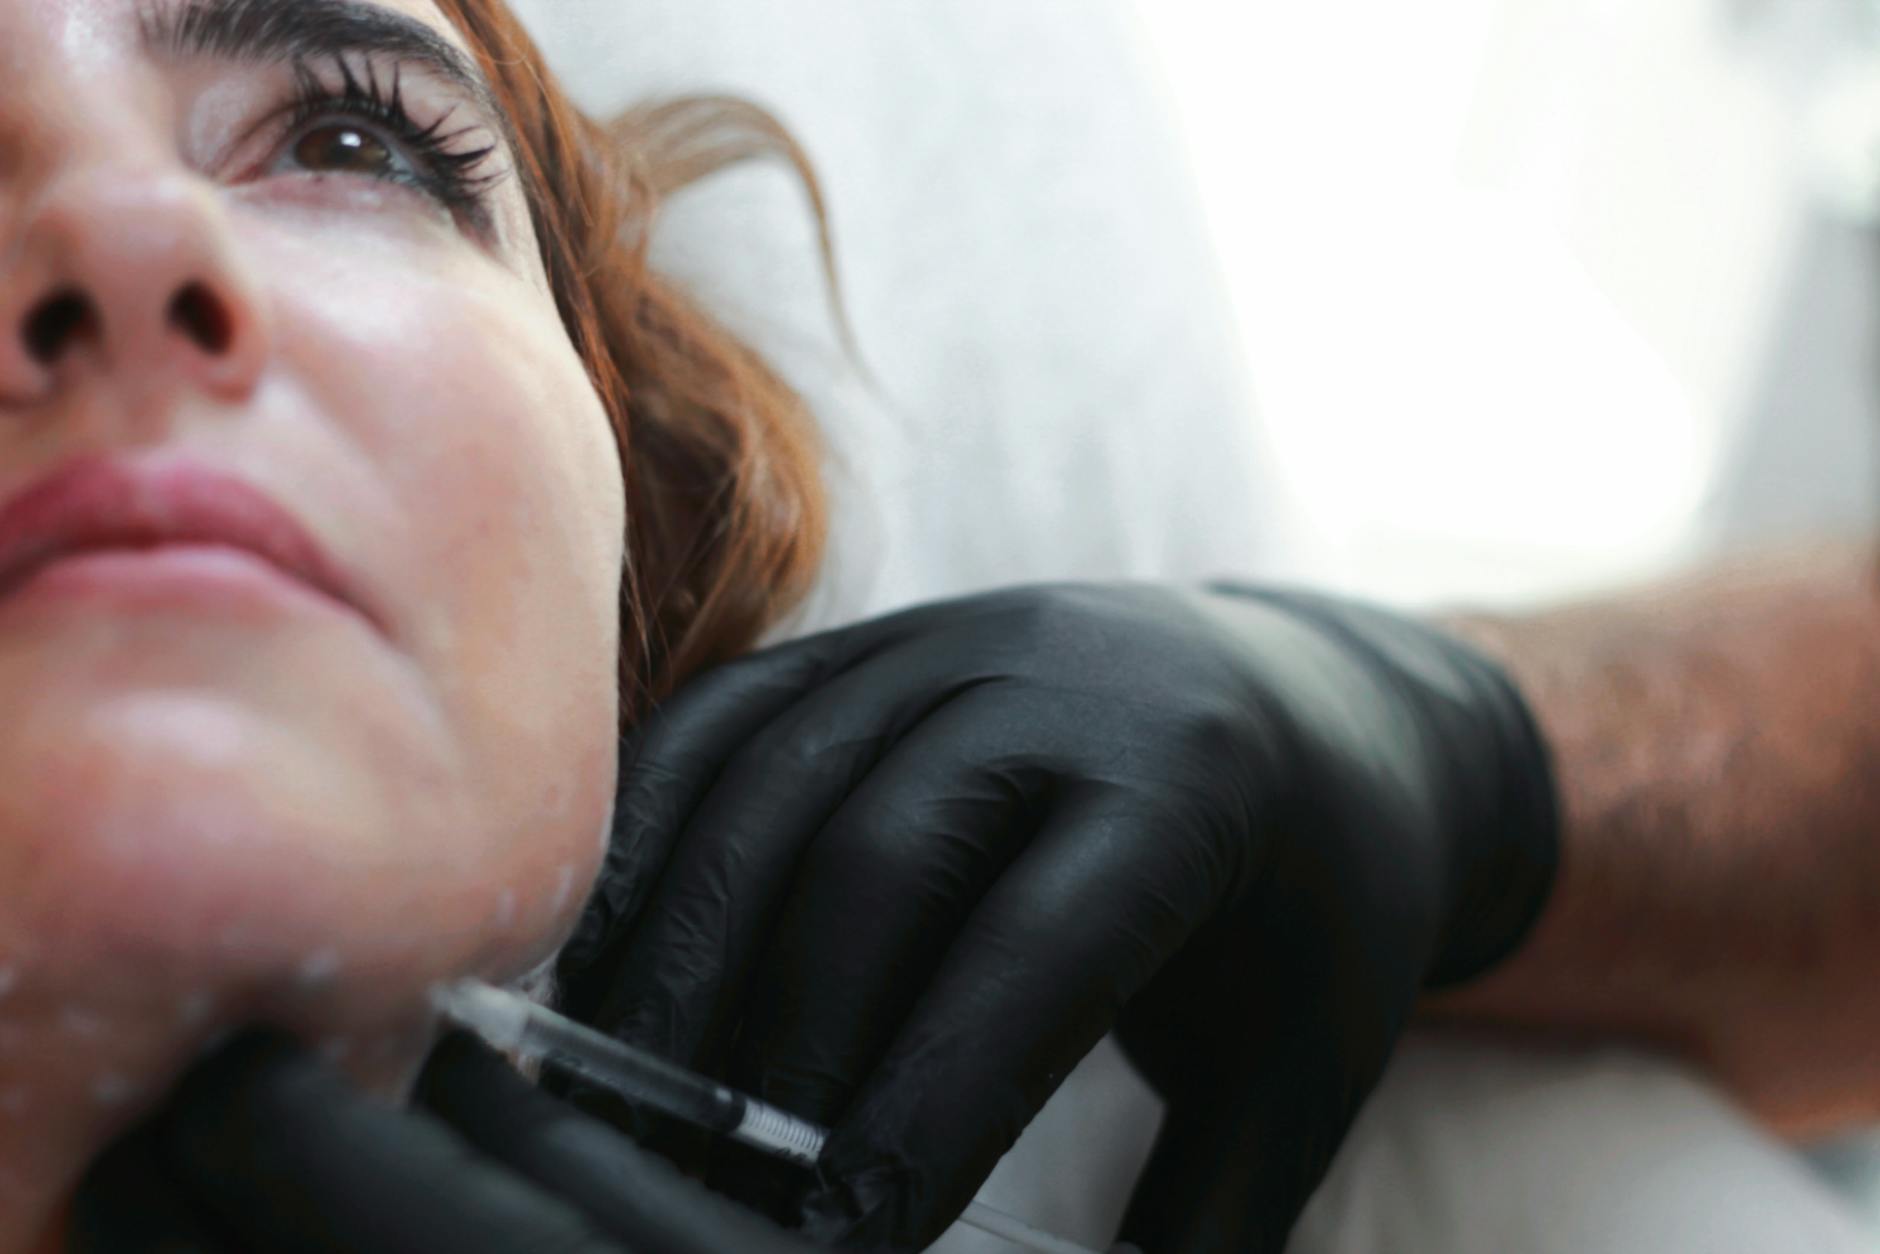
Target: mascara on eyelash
[448,176]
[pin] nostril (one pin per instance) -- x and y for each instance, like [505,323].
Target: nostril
[55,322]
[202,317]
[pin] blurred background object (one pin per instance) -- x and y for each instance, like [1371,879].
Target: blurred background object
[1543,295]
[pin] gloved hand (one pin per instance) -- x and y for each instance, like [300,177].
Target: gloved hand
[264,1149]
[900,877]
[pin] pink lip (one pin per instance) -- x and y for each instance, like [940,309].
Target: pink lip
[99,503]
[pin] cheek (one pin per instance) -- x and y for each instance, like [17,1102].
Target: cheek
[455,384]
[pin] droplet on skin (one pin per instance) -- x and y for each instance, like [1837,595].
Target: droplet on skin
[9,978]
[606,841]
[111,1088]
[564,886]
[81,1023]
[195,1008]
[319,966]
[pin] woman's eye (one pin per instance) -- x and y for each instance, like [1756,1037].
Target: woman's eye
[341,148]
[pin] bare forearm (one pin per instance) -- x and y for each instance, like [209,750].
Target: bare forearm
[1717,745]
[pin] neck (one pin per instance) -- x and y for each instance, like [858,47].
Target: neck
[72,1079]
[75,1077]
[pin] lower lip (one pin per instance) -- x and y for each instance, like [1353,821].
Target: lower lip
[194,578]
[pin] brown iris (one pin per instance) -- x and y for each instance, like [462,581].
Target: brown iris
[345,149]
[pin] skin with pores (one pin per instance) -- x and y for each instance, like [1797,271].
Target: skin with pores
[300,813]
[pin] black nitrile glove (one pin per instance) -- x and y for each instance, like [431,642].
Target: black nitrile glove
[264,1149]
[899,878]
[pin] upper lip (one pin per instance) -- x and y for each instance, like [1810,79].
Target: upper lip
[101,502]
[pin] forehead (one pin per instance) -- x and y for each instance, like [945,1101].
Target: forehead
[96,31]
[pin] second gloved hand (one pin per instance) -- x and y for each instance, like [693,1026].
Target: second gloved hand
[899,878]
[265,1149]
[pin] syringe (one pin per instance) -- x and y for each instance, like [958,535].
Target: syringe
[514,1024]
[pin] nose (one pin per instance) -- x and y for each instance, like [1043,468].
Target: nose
[130,277]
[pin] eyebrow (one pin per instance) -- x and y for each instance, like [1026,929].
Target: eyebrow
[300,30]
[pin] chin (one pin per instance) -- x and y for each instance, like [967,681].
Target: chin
[197,856]
[184,839]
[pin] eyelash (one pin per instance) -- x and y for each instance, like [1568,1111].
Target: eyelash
[454,178]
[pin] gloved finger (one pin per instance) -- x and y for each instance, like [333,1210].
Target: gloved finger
[1081,921]
[680,975]
[676,756]
[636,1196]
[294,1160]
[128,1204]
[876,901]
[1233,1175]
[1257,1104]
[666,766]
[880,895]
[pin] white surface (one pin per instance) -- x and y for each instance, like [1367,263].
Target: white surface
[1593,1150]
[1030,279]
[1027,268]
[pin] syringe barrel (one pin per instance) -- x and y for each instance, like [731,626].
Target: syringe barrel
[633,1073]
[514,1023]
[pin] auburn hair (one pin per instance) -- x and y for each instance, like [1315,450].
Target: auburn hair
[726,513]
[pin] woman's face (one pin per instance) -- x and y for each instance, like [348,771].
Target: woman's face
[255,239]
